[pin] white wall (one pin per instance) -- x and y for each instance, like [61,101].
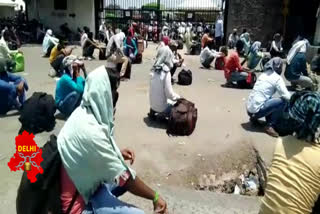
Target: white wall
[6,11]
[43,10]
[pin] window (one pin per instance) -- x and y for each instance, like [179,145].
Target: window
[60,4]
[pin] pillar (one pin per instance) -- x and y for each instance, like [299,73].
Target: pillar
[317,34]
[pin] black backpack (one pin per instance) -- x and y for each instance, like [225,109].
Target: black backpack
[43,196]
[37,113]
[185,77]
[249,82]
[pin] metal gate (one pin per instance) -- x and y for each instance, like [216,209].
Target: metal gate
[122,12]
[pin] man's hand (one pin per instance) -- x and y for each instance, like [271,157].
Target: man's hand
[20,88]
[128,154]
[160,206]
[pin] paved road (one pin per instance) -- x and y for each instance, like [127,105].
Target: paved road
[219,143]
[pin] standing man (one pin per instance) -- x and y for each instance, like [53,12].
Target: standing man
[219,31]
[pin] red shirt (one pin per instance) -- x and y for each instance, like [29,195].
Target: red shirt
[232,64]
[205,40]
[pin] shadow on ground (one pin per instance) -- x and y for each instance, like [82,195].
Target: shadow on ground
[249,127]
[155,123]
[12,114]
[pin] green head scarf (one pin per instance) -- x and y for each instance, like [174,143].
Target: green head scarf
[86,143]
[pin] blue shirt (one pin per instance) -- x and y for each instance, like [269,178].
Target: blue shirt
[297,67]
[66,85]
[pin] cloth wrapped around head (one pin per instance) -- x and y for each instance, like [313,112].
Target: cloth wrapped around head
[88,149]
[255,47]
[68,62]
[49,32]
[164,60]
[166,40]
[299,47]
[274,65]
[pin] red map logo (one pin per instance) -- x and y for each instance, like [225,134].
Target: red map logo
[28,156]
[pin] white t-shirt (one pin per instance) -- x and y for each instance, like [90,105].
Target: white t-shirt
[161,92]
[84,37]
[207,53]
[266,86]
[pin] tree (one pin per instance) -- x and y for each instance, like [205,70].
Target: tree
[152,6]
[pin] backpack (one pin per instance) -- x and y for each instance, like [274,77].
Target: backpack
[37,113]
[219,64]
[249,82]
[19,60]
[185,77]
[43,196]
[196,49]
[183,118]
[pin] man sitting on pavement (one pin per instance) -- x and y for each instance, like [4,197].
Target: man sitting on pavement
[233,71]
[162,97]
[12,89]
[115,53]
[177,58]
[5,52]
[70,86]
[261,103]
[208,55]
[58,53]
[296,70]
[292,183]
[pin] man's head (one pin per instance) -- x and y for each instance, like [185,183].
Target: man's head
[90,35]
[239,46]
[173,45]
[61,45]
[207,31]
[86,29]
[166,40]
[244,30]
[224,50]
[235,31]
[277,37]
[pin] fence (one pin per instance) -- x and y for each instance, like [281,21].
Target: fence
[148,11]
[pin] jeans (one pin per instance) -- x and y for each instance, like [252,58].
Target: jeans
[237,76]
[272,110]
[69,103]
[8,93]
[218,42]
[303,81]
[105,201]
[57,63]
[88,51]
[208,61]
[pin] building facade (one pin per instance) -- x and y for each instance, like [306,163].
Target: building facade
[53,13]
[264,18]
